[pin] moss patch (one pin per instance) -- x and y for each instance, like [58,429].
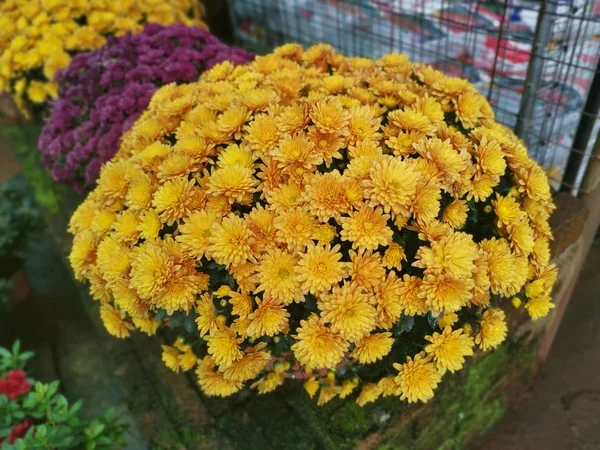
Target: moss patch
[467,405]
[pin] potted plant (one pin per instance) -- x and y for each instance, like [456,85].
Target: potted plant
[361,225]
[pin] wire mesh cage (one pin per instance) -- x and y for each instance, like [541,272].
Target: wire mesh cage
[536,61]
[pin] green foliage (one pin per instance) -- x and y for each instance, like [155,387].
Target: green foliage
[56,423]
[13,359]
[19,217]
[47,192]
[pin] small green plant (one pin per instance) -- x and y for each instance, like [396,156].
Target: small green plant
[34,415]
[19,218]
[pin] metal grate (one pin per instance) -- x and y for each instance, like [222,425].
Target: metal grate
[535,61]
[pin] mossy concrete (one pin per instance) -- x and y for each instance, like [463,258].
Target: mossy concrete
[466,406]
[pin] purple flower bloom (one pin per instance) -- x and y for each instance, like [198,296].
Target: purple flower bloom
[102,93]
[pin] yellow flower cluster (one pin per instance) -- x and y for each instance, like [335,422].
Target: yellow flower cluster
[39,37]
[301,208]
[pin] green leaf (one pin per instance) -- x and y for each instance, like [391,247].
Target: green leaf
[27,355]
[433,321]
[160,314]
[41,431]
[189,324]
[404,325]
[52,388]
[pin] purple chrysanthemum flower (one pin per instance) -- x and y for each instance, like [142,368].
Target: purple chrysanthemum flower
[103,92]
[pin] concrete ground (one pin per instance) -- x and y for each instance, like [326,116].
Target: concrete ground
[562,410]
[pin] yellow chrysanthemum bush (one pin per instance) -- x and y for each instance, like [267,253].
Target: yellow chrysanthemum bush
[39,37]
[357,224]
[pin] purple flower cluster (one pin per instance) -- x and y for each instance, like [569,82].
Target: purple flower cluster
[103,92]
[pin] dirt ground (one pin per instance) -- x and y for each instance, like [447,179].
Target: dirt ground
[562,411]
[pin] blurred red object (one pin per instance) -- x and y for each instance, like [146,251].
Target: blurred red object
[14,384]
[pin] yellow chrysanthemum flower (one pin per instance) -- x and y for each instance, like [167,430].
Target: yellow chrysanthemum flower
[449,349]
[148,326]
[387,294]
[417,378]
[268,383]
[170,357]
[502,267]
[325,195]
[295,156]
[447,320]
[160,275]
[455,214]
[329,116]
[262,134]
[223,346]
[319,268]
[539,306]
[410,301]
[391,184]
[327,145]
[311,386]
[295,228]
[250,365]
[149,225]
[83,253]
[366,269]
[492,330]
[507,210]
[393,256]
[369,393]
[269,318]
[212,382]
[206,319]
[114,321]
[318,346]
[521,237]
[233,182]
[176,199]
[347,388]
[366,228]
[348,311]
[230,242]
[444,293]
[454,254]
[373,347]
[196,231]
[276,277]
